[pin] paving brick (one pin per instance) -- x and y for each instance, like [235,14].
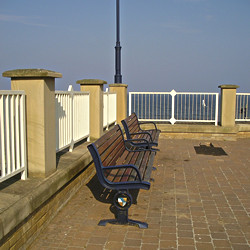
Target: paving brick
[202,238]
[219,236]
[164,236]
[204,246]
[131,248]
[93,247]
[152,232]
[221,243]
[149,247]
[240,247]
[237,239]
[167,244]
[185,234]
[97,240]
[116,237]
[78,243]
[168,230]
[150,240]
[114,245]
[186,248]
[132,243]
[186,242]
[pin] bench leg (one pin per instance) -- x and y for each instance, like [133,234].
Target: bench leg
[122,219]
[123,201]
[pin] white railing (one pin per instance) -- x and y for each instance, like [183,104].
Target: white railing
[242,112]
[109,109]
[175,106]
[13,159]
[72,118]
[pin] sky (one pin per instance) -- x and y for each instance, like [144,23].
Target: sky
[186,45]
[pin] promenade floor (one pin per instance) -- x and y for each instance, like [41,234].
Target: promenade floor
[197,201]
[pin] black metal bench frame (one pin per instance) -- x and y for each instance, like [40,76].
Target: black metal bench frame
[121,168]
[133,130]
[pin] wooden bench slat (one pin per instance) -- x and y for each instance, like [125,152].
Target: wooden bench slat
[144,162]
[148,172]
[132,160]
[138,162]
[109,140]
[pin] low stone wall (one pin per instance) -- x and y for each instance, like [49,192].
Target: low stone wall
[201,131]
[23,218]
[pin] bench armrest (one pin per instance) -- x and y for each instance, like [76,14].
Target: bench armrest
[144,132]
[139,143]
[125,166]
[148,123]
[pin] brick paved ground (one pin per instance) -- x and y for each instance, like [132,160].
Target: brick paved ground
[196,202]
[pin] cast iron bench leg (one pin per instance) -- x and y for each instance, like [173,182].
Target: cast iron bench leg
[122,219]
[122,215]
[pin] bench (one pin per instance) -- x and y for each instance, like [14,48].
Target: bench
[134,131]
[121,168]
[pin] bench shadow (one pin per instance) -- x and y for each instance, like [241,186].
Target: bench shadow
[105,195]
[209,149]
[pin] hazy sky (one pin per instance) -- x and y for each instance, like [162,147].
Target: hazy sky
[186,45]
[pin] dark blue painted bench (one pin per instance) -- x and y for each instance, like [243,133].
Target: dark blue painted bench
[120,168]
[133,130]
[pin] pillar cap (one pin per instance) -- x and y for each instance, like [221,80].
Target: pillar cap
[228,86]
[118,85]
[19,73]
[91,82]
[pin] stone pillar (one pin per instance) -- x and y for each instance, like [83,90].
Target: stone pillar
[39,87]
[121,91]
[95,88]
[228,104]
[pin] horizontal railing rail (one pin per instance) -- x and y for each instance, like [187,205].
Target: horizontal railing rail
[175,106]
[242,111]
[72,118]
[13,156]
[109,109]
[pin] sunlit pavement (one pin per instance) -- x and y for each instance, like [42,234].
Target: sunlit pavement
[196,201]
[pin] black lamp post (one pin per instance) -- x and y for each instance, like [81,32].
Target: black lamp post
[118,76]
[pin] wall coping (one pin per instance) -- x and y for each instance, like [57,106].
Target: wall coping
[228,86]
[91,82]
[24,73]
[118,85]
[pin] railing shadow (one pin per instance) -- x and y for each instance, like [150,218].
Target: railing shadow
[60,113]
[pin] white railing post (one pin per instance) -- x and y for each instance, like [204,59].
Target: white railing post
[107,108]
[113,108]
[71,93]
[130,104]
[173,94]
[216,109]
